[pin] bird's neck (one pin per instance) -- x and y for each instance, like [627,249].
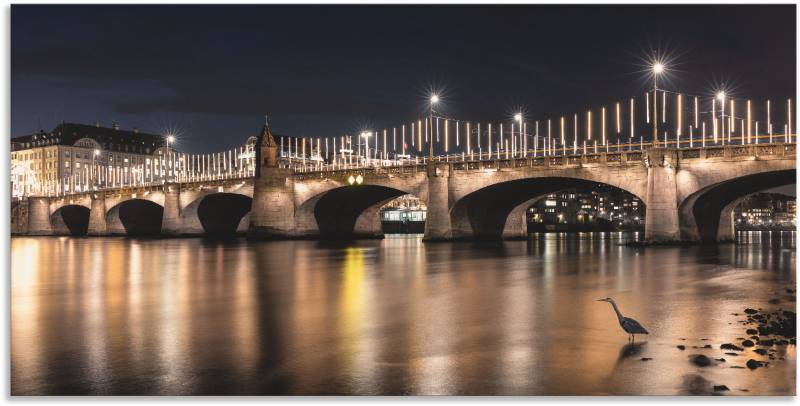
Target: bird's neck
[616,310]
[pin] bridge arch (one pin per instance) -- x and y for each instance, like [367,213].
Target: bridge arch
[706,215]
[70,219]
[223,214]
[135,217]
[337,209]
[497,210]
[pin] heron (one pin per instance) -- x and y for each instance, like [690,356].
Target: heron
[628,324]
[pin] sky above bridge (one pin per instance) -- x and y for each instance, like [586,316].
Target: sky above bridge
[211,72]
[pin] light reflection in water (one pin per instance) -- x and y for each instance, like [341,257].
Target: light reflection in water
[120,316]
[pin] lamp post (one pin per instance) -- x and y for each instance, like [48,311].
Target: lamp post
[365,135]
[721,98]
[95,153]
[170,139]
[658,68]
[434,100]
[518,117]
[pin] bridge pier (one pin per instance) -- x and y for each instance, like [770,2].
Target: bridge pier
[661,200]
[39,216]
[272,213]
[438,226]
[97,217]
[171,220]
[368,224]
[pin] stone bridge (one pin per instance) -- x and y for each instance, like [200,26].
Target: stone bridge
[689,194]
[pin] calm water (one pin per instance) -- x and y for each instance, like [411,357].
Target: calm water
[396,316]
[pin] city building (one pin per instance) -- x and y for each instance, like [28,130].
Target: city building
[73,156]
[600,208]
[763,211]
[405,214]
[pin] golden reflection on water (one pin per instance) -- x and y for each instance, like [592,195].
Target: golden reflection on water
[120,316]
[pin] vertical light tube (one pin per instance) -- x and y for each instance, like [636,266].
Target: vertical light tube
[575,132]
[446,138]
[789,133]
[680,114]
[589,125]
[769,122]
[403,140]
[696,112]
[458,127]
[619,122]
[563,136]
[749,117]
[603,125]
[490,140]
[663,106]
[469,135]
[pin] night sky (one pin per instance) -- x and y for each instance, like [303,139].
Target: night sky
[212,72]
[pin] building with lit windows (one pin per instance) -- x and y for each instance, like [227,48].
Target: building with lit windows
[601,208]
[72,157]
[764,211]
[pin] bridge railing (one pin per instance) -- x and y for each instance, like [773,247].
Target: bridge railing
[382,160]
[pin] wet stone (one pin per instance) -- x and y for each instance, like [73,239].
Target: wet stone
[720,388]
[700,360]
[753,364]
[752,331]
[747,343]
[729,346]
[681,347]
[732,354]
[750,311]
[646,359]
[760,351]
[720,359]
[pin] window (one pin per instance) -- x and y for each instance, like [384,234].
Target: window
[66,164]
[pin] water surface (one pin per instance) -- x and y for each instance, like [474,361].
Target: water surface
[394,316]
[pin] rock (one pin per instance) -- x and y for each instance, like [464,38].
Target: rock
[720,359]
[681,347]
[647,359]
[760,351]
[737,367]
[707,346]
[729,346]
[754,337]
[750,311]
[747,343]
[751,331]
[766,343]
[732,354]
[753,364]
[700,360]
[720,388]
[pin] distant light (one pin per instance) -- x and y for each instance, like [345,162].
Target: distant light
[434,98]
[721,95]
[658,67]
[170,138]
[518,116]
[351,179]
[366,134]
[97,152]
[359,179]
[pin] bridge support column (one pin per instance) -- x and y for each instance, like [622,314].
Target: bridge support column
[171,220]
[516,227]
[39,216]
[368,224]
[437,222]
[726,231]
[272,213]
[97,217]
[661,218]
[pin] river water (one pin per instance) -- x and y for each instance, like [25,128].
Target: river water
[393,316]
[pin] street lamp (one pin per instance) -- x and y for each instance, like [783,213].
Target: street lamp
[522,143]
[95,153]
[721,97]
[365,135]
[434,100]
[658,69]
